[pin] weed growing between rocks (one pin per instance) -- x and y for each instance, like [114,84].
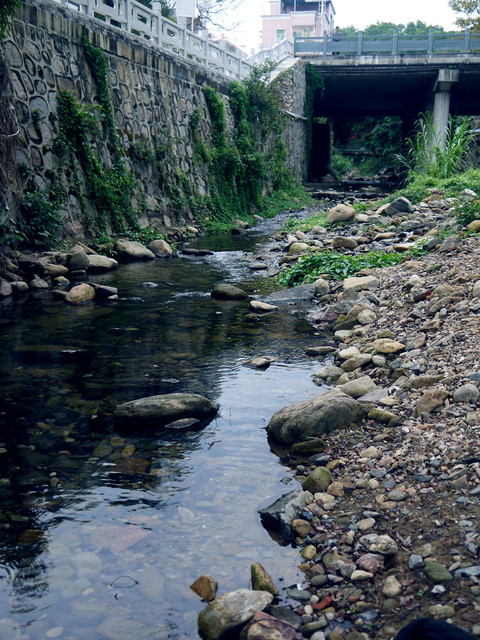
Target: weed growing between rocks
[335,265]
[425,155]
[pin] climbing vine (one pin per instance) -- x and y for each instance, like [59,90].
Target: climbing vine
[245,167]
[109,189]
[7,11]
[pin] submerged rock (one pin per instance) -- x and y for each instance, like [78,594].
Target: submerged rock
[323,414]
[265,627]
[230,611]
[164,409]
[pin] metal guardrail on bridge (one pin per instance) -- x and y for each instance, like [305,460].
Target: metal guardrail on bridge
[429,44]
[136,18]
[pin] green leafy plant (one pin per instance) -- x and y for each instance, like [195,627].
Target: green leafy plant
[306,224]
[335,265]
[41,219]
[7,11]
[467,212]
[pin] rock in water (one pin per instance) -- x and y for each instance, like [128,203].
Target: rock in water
[261,580]
[265,627]
[225,291]
[164,409]
[80,294]
[312,418]
[230,611]
[101,263]
[280,515]
[206,587]
[161,248]
[128,250]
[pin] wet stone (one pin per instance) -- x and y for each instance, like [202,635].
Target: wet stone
[299,594]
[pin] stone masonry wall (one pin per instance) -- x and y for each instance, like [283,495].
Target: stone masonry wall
[292,89]
[154,94]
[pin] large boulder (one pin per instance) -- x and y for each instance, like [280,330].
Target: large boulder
[128,250]
[77,259]
[312,418]
[399,205]
[97,262]
[161,248]
[164,409]
[230,611]
[341,212]
[80,293]
[281,513]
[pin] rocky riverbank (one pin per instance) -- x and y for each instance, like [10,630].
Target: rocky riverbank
[386,522]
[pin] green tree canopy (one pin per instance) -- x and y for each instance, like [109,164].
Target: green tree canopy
[378,29]
[471,9]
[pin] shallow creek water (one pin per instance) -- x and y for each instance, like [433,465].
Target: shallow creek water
[103,530]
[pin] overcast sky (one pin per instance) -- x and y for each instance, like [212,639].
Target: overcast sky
[359,13]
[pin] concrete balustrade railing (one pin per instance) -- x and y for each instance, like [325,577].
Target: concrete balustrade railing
[139,20]
[429,44]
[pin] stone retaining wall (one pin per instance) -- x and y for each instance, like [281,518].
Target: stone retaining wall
[153,94]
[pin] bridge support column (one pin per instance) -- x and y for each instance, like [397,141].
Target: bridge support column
[441,106]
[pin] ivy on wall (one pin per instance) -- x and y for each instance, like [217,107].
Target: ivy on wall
[249,164]
[7,11]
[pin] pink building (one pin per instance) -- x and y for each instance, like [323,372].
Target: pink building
[290,18]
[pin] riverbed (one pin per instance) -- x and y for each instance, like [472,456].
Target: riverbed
[103,530]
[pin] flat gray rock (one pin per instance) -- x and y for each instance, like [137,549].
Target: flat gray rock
[165,409]
[303,293]
[280,514]
[312,418]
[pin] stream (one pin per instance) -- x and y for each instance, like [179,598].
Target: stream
[104,530]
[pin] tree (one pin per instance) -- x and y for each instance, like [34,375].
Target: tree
[471,9]
[208,11]
[387,28]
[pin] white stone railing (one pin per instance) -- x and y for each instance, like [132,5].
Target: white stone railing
[277,53]
[135,18]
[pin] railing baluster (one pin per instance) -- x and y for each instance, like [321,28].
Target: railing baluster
[395,42]
[359,43]
[467,40]
[430,42]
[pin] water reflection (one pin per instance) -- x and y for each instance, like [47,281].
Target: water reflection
[103,530]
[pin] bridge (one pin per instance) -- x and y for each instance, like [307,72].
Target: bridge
[436,74]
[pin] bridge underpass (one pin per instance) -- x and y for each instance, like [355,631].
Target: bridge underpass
[379,86]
